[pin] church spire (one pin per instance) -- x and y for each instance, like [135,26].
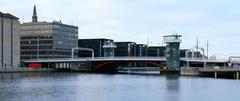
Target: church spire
[34,17]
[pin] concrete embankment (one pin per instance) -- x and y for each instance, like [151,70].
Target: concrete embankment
[185,71]
[14,70]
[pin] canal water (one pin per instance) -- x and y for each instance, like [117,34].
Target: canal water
[117,87]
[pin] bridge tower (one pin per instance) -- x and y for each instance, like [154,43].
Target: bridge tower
[173,52]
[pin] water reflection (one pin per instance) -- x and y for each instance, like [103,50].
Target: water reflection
[172,84]
[8,77]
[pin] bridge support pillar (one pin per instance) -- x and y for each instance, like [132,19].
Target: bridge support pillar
[215,74]
[73,65]
[173,52]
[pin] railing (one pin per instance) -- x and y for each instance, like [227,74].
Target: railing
[204,60]
[94,59]
[172,38]
[130,58]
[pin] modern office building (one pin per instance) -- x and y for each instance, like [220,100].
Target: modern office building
[9,41]
[125,49]
[99,45]
[156,51]
[47,39]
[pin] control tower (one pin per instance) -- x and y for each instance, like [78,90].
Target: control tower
[173,52]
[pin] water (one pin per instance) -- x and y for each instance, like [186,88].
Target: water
[100,87]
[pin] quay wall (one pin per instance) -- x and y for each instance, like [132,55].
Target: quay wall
[190,71]
[14,70]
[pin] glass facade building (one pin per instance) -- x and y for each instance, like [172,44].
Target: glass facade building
[47,40]
[95,44]
[158,51]
[125,49]
[141,50]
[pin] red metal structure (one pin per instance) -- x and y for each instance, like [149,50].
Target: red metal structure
[34,65]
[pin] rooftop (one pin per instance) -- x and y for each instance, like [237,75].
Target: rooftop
[96,39]
[45,22]
[8,15]
[173,35]
[125,42]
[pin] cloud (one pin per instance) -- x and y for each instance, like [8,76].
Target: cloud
[74,9]
[181,17]
[137,20]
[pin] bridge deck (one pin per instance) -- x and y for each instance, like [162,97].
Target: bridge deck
[120,59]
[98,59]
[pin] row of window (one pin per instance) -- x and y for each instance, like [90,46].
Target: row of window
[64,33]
[65,28]
[47,56]
[36,42]
[36,27]
[46,53]
[32,32]
[36,47]
[38,37]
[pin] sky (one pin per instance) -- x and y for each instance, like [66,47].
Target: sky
[216,21]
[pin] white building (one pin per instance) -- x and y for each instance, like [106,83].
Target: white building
[9,41]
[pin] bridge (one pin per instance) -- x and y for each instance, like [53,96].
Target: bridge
[170,63]
[111,63]
[97,63]
[127,58]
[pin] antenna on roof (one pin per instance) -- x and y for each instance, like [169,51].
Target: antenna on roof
[207,48]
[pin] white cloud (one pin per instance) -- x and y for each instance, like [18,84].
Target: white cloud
[181,17]
[137,20]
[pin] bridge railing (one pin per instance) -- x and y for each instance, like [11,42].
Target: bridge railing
[204,60]
[128,58]
[220,69]
[95,58]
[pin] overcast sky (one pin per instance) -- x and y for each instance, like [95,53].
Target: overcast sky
[138,20]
